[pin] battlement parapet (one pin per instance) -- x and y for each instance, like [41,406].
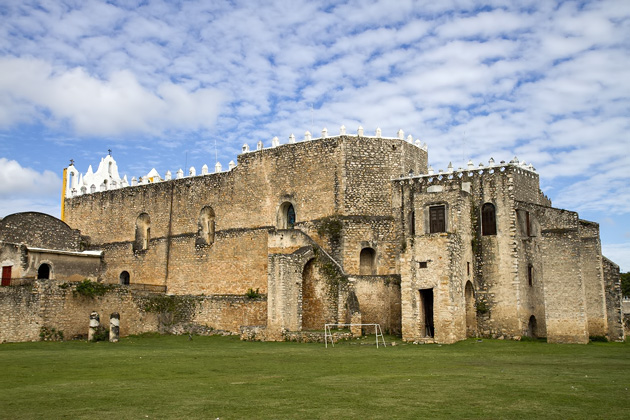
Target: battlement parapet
[471,171]
[275,142]
[106,178]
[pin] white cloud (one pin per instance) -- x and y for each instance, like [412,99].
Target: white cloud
[18,181]
[619,254]
[93,106]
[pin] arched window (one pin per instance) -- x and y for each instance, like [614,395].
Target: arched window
[43,272]
[124,277]
[205,227]
[367,262]
[143,232]
[488,220]
[286,216]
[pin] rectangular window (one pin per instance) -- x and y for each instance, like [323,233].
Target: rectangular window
[468,268]
[423,264]
[437,219]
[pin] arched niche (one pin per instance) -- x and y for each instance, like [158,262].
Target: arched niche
[205,227]
[143,232]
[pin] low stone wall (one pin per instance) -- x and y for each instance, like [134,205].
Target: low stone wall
[314,336]
[28,309]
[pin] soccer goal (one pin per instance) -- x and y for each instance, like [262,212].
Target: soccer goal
[378,332]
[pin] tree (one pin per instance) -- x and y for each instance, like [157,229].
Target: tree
[625,284]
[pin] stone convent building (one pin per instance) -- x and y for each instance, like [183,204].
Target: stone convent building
[351,229]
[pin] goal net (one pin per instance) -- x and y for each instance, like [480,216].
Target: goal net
[378,332]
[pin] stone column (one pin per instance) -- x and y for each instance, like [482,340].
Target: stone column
[114,327]
[95,321]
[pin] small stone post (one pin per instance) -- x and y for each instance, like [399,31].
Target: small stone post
[95,321]
[114,327]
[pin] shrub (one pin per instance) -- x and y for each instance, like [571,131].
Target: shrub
[173,308]
[253,294]
[101,334]
[91,289]
[482,308]
[330,226]
[50,334]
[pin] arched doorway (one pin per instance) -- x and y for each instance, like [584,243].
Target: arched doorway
[43,272]
[367,262]
[124,277]
[471,314]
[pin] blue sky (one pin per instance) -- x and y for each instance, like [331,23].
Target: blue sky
[167,85]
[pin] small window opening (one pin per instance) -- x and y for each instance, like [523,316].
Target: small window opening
[488,220]
[528,225]
[437,219]
[530,274]
[468,268]
[422,264]
[124,278]
[43,272]
[367,262]
[412,223]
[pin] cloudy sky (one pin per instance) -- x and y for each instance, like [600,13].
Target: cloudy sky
[172,84]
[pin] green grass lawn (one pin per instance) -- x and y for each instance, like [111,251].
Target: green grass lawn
[222,377]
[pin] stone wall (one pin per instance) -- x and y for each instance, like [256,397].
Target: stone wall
[351,181]
[25,309]
[614,310]
[564,291]
[379,301]
[592,276]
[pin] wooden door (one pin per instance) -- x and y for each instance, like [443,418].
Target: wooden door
[6,276]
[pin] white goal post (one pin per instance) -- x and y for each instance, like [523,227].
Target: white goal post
[378,332]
